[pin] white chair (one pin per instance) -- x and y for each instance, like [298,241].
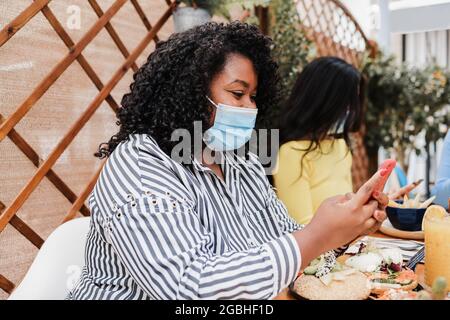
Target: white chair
[57,265]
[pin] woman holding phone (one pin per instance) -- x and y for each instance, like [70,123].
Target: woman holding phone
[165,229]
[315,159]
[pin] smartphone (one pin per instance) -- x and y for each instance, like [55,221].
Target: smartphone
[388,164]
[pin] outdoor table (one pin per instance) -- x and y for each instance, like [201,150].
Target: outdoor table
[420,268]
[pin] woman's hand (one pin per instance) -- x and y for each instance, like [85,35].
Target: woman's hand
[399,193]
[380,213]
[341,219]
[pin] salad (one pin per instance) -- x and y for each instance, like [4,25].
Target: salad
[384,267]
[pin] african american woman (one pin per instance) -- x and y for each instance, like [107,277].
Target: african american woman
[208,226]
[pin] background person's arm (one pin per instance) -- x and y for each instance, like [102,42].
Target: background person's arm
[442,187]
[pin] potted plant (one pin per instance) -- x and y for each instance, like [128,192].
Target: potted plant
[291,49]
[197,12]
[406,107]
[193,13]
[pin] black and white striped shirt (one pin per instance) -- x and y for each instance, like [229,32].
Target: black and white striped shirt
[160,230]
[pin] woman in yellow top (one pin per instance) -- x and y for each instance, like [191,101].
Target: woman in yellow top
[314,161]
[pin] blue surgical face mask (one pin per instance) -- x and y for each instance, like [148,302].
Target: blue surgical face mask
[232,127]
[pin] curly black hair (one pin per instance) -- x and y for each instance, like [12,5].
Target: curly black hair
[169,90]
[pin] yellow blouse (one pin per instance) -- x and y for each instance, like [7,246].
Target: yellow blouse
[326,173]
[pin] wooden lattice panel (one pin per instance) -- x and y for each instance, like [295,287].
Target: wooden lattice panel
[335,32]
[332,27]
[60,89]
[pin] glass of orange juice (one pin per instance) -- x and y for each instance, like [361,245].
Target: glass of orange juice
[437,245]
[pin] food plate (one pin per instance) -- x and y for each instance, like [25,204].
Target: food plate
[352,286]
[293,293]
[389,230]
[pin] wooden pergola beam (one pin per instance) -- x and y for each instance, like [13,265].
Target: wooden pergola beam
[17,23]
[112,32]
[6,285]
[56,72]
[79,124]
[64,36]
[143,17]
[32,155]
[83,196]
[24,229]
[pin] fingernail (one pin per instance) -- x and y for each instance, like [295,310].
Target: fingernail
[376,194]
[380,215]
[383,172]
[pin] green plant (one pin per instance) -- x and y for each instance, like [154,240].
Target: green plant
[403,104]
[431,111]
[222,7]
[291,48]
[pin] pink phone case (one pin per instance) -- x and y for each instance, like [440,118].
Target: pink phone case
[388,164]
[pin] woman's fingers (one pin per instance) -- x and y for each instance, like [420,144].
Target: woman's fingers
[340,199]
[374,228]
[369,209]
[349,195]
[379,215]
[344,199]
[371,226]
[383,199]
[365,192]
[370,223]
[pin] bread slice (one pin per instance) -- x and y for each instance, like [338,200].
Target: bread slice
[356,286]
